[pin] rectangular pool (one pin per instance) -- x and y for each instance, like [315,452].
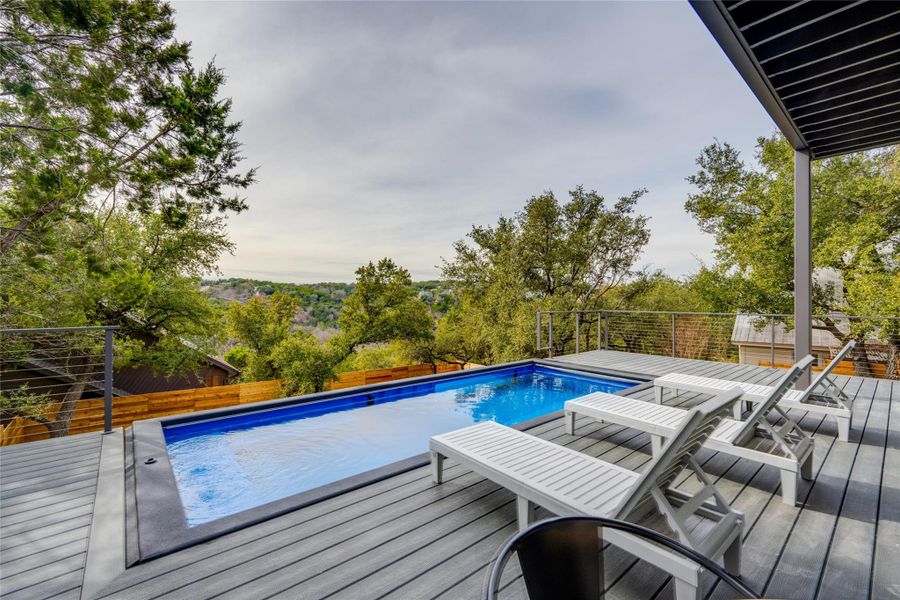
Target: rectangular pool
[226,465]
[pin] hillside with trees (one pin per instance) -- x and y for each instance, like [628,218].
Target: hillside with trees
[319,304]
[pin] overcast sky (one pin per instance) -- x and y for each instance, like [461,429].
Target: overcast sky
[389,129]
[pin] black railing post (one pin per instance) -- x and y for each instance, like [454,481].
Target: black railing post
[107,379]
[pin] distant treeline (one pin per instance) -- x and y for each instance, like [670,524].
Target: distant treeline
[320,302]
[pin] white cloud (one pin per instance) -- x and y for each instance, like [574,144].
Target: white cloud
[388,129]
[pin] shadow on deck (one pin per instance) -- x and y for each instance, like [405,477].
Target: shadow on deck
[405,537]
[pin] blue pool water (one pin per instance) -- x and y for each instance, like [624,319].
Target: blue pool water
[227,465]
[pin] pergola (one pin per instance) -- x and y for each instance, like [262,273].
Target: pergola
[828,73]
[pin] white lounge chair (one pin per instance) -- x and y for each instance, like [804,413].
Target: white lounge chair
[783,445]
[823,396]
[567,482]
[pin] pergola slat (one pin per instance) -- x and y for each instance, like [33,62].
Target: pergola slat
[828,72]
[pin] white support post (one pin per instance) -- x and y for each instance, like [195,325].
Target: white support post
[802,260]
[437,467]
[524,512]
[569,419]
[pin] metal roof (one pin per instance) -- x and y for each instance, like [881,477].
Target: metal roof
[756,331]
[827,71]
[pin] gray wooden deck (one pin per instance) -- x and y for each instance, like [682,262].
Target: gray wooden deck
[404,537]
[47,493]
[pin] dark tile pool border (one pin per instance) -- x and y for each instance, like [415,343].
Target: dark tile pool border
[158,523]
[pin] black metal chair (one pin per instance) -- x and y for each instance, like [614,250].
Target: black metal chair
[560,558]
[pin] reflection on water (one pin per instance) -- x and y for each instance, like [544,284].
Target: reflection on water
[225,466]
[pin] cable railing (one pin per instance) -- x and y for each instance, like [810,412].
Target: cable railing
[757,339]
[55,382]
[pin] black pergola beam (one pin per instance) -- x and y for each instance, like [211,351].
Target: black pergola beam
[828,72]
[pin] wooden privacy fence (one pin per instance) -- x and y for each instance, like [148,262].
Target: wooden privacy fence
[845,367]
[88,414]
[355,378]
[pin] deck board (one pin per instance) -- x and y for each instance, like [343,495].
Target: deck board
[802,558]
[849,563]
[885,580]
[404,537]
[47,492]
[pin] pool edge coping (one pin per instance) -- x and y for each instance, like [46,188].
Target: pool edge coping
[154,492]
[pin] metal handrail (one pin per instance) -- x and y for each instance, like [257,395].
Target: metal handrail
[720,314]
[108,331]
[62,329]
[496,566]
[657,332]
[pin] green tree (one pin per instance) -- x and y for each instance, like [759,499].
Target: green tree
[377,356]
[119,268]
[99,100]
[856,231]
[260,324]
[303,364]
[382,307]
[458,339]
[549,256]
[114,153]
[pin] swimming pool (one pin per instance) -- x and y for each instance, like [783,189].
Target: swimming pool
[197,476]
[225,466]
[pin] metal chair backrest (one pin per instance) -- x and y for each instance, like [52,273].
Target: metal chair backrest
[561,558]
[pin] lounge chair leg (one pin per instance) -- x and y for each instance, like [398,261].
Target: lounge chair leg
[738,410]
[658,394]
[843,425]
[789,480]
[656,444]
[732,557]
[685,590]
[524,512]
[437,467]
[569,418]
[806,468]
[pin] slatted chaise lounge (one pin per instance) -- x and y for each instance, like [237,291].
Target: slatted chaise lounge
[567,482]
[783,444]
[822,397]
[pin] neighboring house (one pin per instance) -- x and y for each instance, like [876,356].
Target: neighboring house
[211,372]
[142,380]
[43,375]
[755,342]
[755,339]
